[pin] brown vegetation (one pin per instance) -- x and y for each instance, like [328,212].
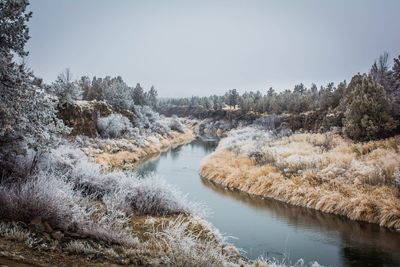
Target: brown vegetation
[124,154]
[320,171]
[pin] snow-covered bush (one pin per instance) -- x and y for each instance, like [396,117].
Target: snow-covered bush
[45,196]
[145,116]
[176,125]
[114,126]
[246,140]
[150,196]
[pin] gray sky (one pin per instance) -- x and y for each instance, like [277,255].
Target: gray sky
[187,48]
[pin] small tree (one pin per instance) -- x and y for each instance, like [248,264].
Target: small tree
[381,73]
[232,98]
[367,114]
[138,95]
[65,88]
[395,87]
[152,97]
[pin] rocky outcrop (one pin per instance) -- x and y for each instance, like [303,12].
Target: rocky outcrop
[82,116]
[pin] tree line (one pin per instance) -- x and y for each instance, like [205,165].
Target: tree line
[370,103]
[113,90]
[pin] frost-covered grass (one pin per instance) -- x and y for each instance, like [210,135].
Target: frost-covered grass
[65,191]
[126,152]
[320,171]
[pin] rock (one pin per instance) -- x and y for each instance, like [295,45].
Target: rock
[57,235]
[37,224]
[82,116]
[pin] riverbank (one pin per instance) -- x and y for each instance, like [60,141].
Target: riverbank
[319,171]
[127,153]
[179,240]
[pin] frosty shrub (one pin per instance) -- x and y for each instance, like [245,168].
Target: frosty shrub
[13,231]
[114,126]
[145,116]
[80,247]
[150,196]
[43,196]
[122,191]
[57,202]
[247,140]
[176,125]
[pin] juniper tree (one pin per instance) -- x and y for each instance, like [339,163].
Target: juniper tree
[27,114]
[381,73]
[367,114]
[138,95]
[395,87]
[117,93]
[152,97]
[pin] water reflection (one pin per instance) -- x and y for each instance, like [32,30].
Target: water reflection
[272,228]
[207,145]
[361,244]
[147,168]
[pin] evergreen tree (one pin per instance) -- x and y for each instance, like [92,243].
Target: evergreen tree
[27,114]
[65,88]
[367,114]
[232,98]
[381,73]
[138,95]
[395,87]
[152,97]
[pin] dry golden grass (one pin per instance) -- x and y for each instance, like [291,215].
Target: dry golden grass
[129,158]
[335,176]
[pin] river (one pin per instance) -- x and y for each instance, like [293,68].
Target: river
[269,228]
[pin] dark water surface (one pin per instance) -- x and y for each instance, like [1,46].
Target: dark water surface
[272,228]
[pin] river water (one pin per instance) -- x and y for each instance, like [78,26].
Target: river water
[269,228]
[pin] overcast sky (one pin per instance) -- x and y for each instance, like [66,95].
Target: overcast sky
[187,48]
